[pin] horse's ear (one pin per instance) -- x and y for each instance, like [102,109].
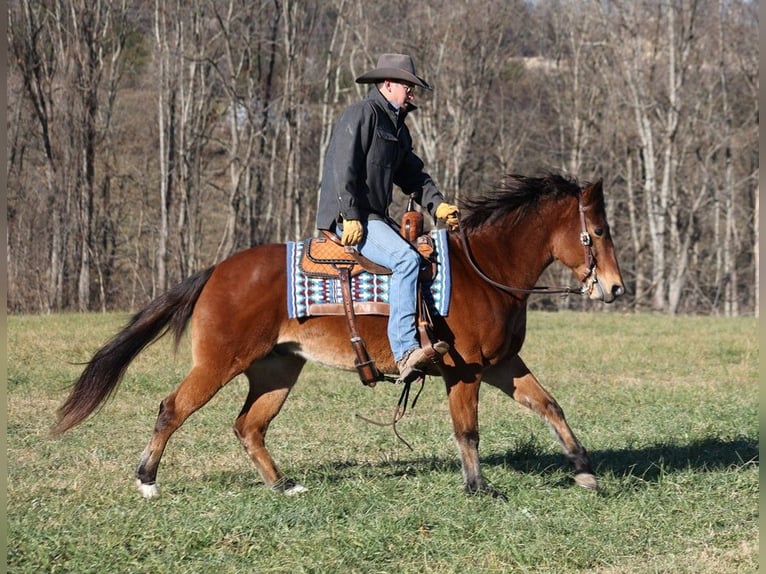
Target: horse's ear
[594,193]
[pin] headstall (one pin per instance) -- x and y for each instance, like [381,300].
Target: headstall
[585,240]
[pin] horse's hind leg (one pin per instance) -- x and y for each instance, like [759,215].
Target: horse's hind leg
[516,380]
[195,391]
[270,379]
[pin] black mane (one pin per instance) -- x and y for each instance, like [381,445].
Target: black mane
[515,194]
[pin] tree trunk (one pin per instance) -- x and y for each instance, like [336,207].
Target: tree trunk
[165,20]
[730,299]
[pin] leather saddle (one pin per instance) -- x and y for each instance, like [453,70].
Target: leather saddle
[325,256]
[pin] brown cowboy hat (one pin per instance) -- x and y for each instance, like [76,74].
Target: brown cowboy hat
[394,67]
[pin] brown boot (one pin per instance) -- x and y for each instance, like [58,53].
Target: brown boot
[441,347]
[415,362]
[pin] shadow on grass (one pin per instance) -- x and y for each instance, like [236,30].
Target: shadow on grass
[648,464]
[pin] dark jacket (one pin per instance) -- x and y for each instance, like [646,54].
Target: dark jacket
[371,150]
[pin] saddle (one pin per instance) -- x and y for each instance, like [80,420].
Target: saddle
[325,256]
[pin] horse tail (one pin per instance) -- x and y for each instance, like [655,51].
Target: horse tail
[103,373]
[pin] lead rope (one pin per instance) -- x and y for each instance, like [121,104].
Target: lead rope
[399,412]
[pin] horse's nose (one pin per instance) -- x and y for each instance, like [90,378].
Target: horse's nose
[618,289]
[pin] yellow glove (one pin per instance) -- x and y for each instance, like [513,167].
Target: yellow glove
[448,213]
[352,232]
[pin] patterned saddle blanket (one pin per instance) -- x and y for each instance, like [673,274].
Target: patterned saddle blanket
[309,296]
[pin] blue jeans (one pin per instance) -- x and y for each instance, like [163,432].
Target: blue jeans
[384,245]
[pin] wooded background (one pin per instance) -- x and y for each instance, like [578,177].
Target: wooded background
[147,140]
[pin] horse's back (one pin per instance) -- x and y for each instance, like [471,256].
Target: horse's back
[251,268]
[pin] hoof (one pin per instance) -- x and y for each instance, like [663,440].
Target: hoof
[494,493]
[486,489]
[289,487]
[586,480]
[147,490]
[295,489]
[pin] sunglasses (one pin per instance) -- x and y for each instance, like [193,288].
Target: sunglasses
[408,88]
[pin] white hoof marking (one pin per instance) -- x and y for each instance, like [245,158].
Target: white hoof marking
[147,490]
[295,489]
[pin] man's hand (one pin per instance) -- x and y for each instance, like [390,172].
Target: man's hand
[449,213]
[352,232]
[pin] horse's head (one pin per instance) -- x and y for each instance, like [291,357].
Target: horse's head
[555,216]
[585,246]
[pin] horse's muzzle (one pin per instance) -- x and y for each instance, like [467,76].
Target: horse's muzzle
[596,289]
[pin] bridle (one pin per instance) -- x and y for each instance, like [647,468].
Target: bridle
[589,280]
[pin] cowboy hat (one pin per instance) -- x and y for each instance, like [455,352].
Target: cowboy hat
[394,67]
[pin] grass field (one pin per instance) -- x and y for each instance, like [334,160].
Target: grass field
[668,408]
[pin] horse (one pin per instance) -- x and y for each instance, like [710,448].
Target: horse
[239,324]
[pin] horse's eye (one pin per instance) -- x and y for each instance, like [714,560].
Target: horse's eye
[598,231]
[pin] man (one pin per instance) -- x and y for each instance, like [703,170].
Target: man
[371,150]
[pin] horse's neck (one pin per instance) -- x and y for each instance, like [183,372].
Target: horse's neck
[515,256]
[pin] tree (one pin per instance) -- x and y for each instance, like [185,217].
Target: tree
[92,31]
[69,58]
[644,62]
[239,32]
[34,41]
[659,99]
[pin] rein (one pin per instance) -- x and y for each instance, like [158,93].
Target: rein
[585,241]
[400,411]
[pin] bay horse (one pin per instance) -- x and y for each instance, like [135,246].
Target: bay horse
[240,324]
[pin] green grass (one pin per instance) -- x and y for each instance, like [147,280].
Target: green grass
[668,408]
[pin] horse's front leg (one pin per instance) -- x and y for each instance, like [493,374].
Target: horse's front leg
[516,380]
[464,409]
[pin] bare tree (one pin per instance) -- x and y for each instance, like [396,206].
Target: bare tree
[185,120]
[731,195]
[238,28]
[660,99]
[35,46]
[92,28]
[644,61]
[199,100]
[298,19]
[263,63]
[726,259]
[466,53]
[167,37]
[69,58]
